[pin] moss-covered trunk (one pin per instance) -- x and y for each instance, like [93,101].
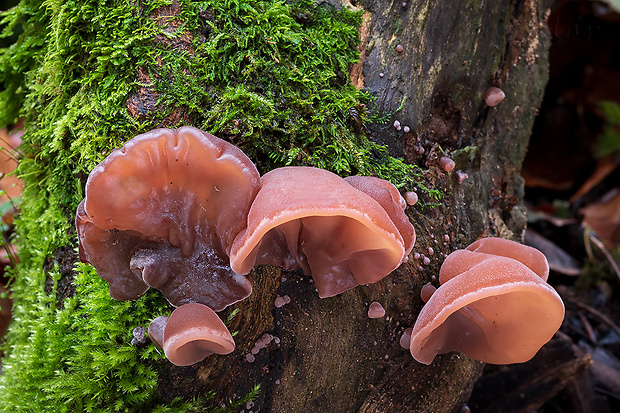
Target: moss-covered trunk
[280,80]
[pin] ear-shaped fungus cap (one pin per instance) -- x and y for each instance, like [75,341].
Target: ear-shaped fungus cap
[390,199]
[191,333]
[492,308]
[312,219]
[163,211]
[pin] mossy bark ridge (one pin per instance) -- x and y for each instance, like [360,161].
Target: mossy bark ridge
[271,77]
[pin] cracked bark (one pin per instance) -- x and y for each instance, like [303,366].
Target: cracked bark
[331,356]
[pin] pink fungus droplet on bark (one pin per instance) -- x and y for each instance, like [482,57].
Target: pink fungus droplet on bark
[376,310]
[446,163]
[427,291]
[461,176]
[493,96]
[411,197]
[279,302]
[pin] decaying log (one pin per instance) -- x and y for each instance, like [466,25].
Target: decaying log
[429,63]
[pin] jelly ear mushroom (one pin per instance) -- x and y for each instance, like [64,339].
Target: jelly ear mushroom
[191,333]
[312,219]
[490,307]
[110,252]
[386,194]
[530,257]
[156,330]
[493,96]
[163,211]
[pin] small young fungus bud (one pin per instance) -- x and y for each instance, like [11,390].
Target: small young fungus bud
[411,197]
[376,310]
[446,163]
[494,95]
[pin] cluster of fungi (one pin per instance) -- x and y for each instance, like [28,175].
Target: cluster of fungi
[187,213]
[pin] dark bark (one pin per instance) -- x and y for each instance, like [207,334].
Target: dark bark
[331,356]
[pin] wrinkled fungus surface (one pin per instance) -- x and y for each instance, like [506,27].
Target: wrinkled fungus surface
[493,305]
[312,219]
[163,212]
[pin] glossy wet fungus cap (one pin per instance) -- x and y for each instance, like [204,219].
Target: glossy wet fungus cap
[530,257]
[493,306]
[156,330]
[191,333]
[390,199]
[163,212]
[493,96]
[312,219]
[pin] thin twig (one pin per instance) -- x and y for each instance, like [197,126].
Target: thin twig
[610,258]
[595,313]
[588,328]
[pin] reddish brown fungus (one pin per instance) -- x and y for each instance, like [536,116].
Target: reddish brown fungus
[163,211]
[493,96]
[194,332]
[376,310]
[427,291]
[390,199]
[493,304]
[446,163]
[312,219]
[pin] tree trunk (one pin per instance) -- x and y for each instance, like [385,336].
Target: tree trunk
[331,356]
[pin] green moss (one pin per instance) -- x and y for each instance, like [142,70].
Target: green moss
[78,357]
[270,77]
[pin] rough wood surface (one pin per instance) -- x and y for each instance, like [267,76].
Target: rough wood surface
[331,356]
[526,387]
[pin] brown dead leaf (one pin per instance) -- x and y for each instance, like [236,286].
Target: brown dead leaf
[604,167]
[559,260]
[11,185]
[603,218]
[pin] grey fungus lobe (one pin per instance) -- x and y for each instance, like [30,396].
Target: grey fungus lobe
[154,216]
[411,197]
[405,339]
[282,301]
